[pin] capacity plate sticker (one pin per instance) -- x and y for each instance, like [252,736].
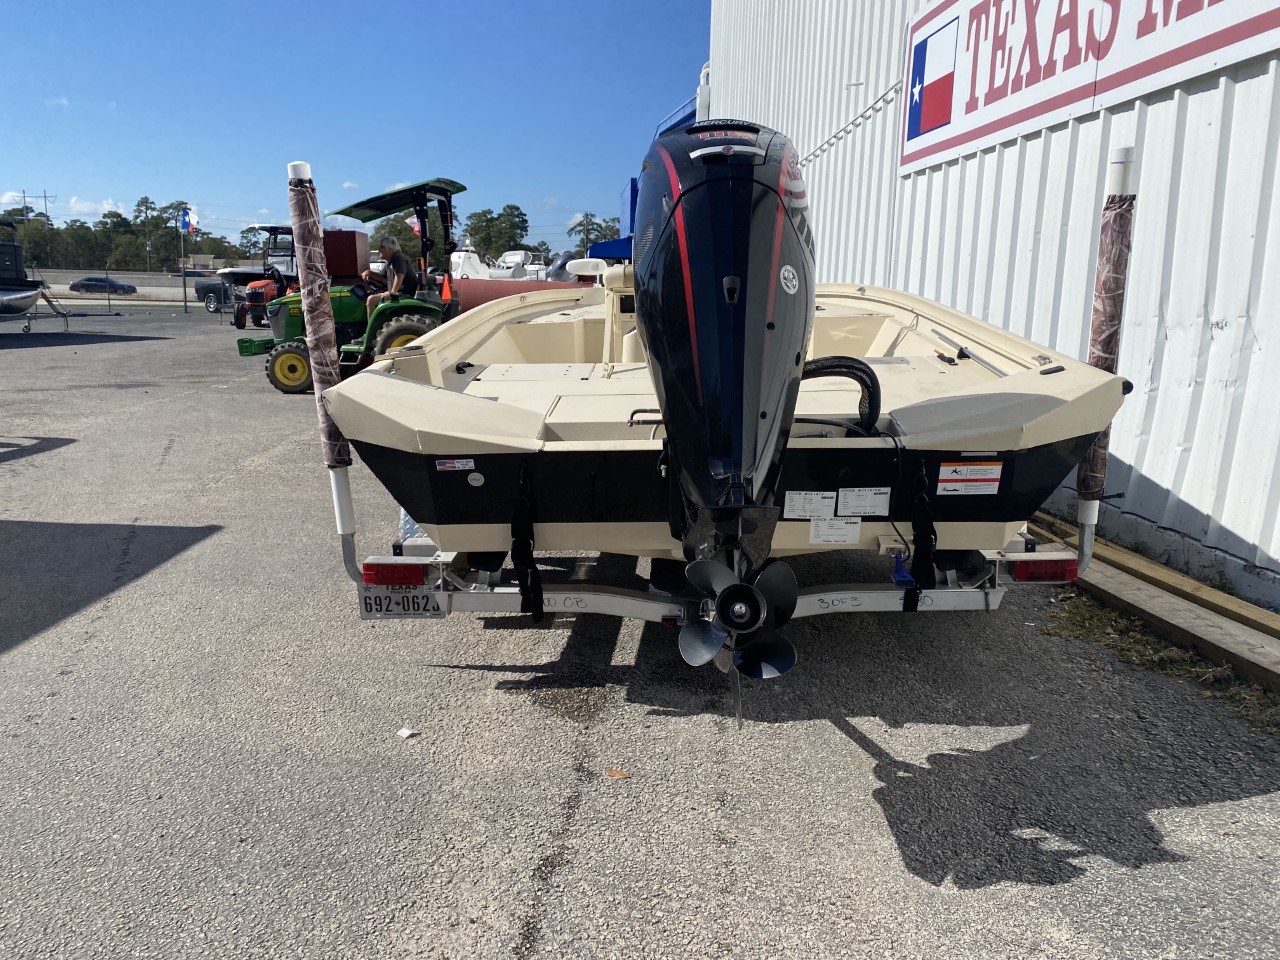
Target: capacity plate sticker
[455,464]
[810,505]
[864,501]
[844,530]
[969,478]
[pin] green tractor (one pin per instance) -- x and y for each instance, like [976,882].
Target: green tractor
[394,323]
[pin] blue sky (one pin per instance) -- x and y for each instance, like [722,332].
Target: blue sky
[548,105]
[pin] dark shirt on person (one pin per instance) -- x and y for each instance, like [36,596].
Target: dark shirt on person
[400,265]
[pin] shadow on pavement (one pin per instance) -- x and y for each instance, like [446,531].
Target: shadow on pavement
[29,446]
[73,339]
[49,571]
[1104,744]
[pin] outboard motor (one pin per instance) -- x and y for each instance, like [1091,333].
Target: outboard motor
[558,270]
[723,260]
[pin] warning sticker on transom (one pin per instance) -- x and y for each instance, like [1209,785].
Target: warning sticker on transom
[809,505]
[970,478]
[837,530]
[864,501]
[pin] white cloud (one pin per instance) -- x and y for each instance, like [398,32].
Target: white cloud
[57,102]
[550,203]
[79,205]
[349,184]
[263,211]
[10,196]
[574,219]
[397,186]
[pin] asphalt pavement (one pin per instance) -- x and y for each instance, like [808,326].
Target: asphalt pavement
[199,754]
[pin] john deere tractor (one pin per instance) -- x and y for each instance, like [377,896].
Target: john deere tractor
[394,323]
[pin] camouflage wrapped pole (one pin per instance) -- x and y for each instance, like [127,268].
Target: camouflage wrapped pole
[322,347]
[1114,242]
[317,311]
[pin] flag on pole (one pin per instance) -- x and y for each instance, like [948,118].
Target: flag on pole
[189,221]
[413,222]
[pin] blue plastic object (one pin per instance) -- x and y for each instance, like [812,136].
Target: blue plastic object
[616,249]
[901,576]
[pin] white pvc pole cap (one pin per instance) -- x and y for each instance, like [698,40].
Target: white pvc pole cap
[299,170]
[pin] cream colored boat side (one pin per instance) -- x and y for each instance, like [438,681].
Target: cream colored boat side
[563,371]
[540,369]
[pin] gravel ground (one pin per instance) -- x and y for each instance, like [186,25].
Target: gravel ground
[198,749]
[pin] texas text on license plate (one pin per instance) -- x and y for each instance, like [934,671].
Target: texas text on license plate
[380,602]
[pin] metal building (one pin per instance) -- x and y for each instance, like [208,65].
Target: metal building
[1007,230]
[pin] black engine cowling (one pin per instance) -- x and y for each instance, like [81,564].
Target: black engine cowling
[723,257]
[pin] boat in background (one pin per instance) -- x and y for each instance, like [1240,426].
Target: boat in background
[18,292]
[466,262]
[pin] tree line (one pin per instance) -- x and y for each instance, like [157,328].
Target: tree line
[147,240]
[493,234]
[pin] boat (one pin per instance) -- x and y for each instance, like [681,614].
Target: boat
[711,405]
[18,293]
[466,262]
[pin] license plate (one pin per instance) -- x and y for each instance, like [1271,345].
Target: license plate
[379,602]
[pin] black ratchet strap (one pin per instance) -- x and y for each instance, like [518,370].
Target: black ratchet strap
[522,521]
[924,539]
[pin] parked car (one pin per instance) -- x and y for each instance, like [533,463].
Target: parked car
[216,294]
[101,285]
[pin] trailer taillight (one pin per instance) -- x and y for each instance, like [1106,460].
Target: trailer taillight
[1046,571]
[395,574]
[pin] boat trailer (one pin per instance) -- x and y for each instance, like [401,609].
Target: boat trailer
[419,581]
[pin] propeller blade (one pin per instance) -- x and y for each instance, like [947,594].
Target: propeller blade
[770,656]
[709,577]
[777,584]
[700,641]
[735,683]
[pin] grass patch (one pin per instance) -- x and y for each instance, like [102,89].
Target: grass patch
[1080,617]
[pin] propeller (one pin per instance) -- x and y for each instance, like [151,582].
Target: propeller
[744,621]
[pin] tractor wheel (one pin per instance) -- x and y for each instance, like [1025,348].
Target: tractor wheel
[289,368]
[402,331]
[211,302]
[239,319]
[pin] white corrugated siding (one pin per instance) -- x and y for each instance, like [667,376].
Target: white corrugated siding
[1009,235]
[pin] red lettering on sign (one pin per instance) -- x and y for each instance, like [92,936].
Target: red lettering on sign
[1147,25]
[1066,24]
[1097,47]
[977,30]
[999,51]
[1030,54]
[1152,18]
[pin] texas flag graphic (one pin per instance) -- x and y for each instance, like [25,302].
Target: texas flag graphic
[933,75]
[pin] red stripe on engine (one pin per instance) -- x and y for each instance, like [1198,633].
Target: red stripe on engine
[683,243]
[777,234]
